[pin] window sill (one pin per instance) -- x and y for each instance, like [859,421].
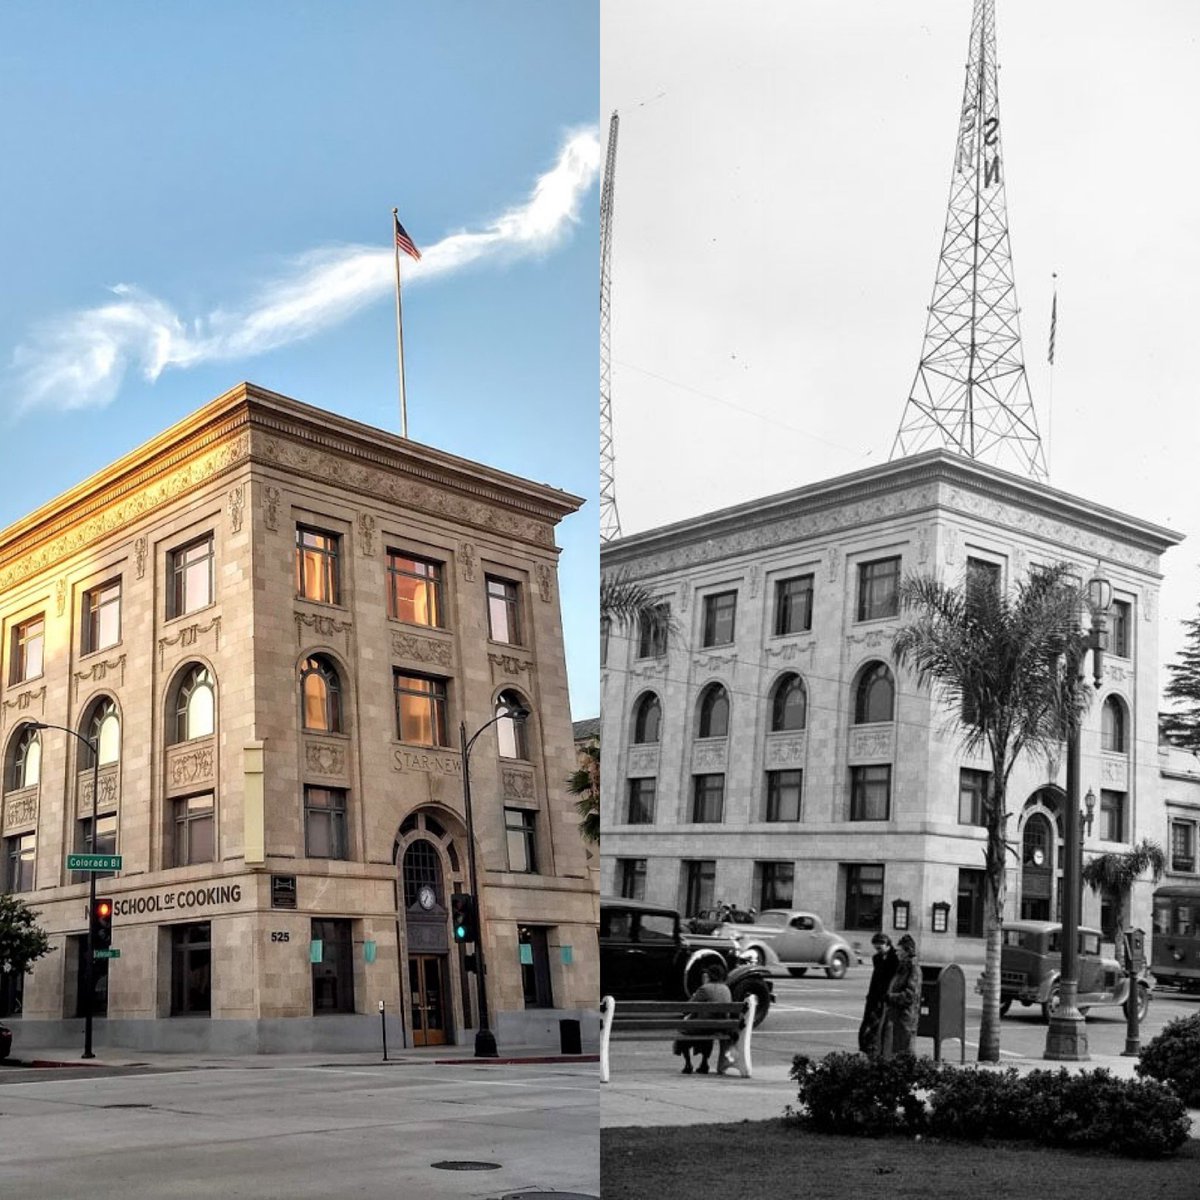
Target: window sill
[403,624]
[326,604]
[875,620]
[84,655]
[192,612]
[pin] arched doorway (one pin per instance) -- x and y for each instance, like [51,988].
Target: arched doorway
[1041,837]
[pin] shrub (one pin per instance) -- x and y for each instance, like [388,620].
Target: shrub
[1173,1058]
[850,1093]
[973,1104]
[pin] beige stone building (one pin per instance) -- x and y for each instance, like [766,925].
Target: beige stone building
[770,753]
[274,620]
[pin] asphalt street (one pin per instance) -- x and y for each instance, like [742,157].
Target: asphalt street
[356,1130]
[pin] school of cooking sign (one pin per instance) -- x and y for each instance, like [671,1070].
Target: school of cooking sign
[181,900]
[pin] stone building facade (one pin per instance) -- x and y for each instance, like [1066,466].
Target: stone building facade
[273,620]
[769,752]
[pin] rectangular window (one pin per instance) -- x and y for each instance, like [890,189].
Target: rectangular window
[708,799]
[191,969]
[535,966]
[194,830]
[1183,846]
[28,647]
[641,801]
[863,896]
[420,709]
[520,826]
[776,881]
[793,605]
[191,577]
[1112,816]
[972,796]
[106,843]
[19,853]
[652,632]
[969,914]
[1119,629]
[102,617]
[870,793]
[981,573]
[504,613]
[333,970]
[783,795]
[878,589]
[317,565]
[699,880]
[325,823]
[414,590]
[719,613]
[631,878]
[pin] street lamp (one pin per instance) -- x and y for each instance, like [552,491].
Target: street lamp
[89,977]
[1066,1037]
[485,1040]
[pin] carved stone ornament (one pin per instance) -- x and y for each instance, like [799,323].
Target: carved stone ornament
[709,754]
[237,506]
[1020,561]
[754,578]
[134,505]
[790,651]
[685,593]
[950,549]
[60,596]
[366,535]
[649,668]
[923,545]
[20,810]
[517,784]
[509,665]
[323,758]
[871,638]
[785,750]
[140,548]
[715,662]
[1117,672]
[426,761]
[834,559]
[468,561]
[326,627]
[189,636]
[271,507]
[109,791]
[643,760]
[1114,770]
[195,766]
[99,672]
[545,581]
[22,702]
[871,742]
[422,649]
[1148,605]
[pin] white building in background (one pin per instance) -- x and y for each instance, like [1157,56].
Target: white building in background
[770,753]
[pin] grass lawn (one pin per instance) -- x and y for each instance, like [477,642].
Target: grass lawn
[776,1158]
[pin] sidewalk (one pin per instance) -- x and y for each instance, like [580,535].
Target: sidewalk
[664,1097]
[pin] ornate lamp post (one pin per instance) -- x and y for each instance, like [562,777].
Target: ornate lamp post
[89,968]
[1066,1038]
[485,1040]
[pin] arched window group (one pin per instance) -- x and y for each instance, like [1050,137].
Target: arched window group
[647,720]
[789,704]
[321,695]
[1113,726]
[102,727]
[714,712]
[874,695]
[195,704]
[25,760]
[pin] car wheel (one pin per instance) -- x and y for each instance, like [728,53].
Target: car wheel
[758,956]
[837,966]
[1005,1005]
[797,972]
[1143,999]
[1051,1005]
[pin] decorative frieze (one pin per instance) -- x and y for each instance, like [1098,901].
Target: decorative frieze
[872,742]
[422,649]
[785,749]
[324,626]
[366,535]
[25,702]
[715,662]
[649,668]
[709,754]
[643,760]
[516,784]
[790,652]
[324,758]
[1114,771]
[509,666]
[190,765]
[189,636]
[109,796]
[426,762]
[1118,672]
[100,672]
[872,639]
[20,811]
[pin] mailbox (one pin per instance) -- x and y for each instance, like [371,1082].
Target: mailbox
[943,1014]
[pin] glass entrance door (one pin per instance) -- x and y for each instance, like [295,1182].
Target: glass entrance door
[427,991]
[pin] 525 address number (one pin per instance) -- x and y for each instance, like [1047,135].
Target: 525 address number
[280,935]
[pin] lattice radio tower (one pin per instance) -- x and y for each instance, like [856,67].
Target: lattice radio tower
[971,393]
[610,521]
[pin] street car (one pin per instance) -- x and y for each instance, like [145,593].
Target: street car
[796,939]
[645,955]
[1031,966]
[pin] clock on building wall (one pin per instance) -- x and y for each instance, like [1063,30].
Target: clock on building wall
[426,897]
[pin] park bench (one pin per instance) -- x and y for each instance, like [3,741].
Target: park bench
[653,1020]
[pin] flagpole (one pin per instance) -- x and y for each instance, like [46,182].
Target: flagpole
[399,330]
[1050,405]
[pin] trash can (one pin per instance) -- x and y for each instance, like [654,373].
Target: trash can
[943,1014]
[570,1037]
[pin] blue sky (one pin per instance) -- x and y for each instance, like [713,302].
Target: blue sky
[231,168]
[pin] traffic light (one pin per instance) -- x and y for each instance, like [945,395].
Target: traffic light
[462,915]
[102,915]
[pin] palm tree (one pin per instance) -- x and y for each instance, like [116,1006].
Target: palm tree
[584,782]
[628,604]
[993,658]
[1115,873]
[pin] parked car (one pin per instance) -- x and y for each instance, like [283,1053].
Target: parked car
[1031,966]
[709,920]
[796,939]
[645,955]
[5,1042]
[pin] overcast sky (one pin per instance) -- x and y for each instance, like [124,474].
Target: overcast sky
[781,193]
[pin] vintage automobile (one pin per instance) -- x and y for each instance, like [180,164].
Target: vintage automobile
[644,955]
[709,920]
[797,940]
[1031,963]
[5,1041]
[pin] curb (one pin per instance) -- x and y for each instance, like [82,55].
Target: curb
[532,1060]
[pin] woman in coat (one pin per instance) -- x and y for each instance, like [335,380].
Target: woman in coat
[883,967]
[903,1001]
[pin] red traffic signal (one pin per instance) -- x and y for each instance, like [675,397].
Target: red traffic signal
[101,922]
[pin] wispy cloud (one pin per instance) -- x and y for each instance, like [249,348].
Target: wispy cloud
[79,359]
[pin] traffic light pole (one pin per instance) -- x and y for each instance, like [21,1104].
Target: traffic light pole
[485,1040]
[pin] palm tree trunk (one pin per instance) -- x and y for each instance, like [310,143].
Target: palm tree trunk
[989,1023]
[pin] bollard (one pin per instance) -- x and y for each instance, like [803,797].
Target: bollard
[383,1030]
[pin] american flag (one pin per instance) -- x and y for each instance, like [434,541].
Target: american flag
[404,241]
[1053,326]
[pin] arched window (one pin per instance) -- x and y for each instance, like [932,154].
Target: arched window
[511,736]
[714,711]
[321,695]
[875,696]
[789,708]
[101,724]
[647,718]
[422,870]
[195,704]
[26,763]
[1112,726]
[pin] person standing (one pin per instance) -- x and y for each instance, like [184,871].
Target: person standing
[883,967]
[903,1001]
